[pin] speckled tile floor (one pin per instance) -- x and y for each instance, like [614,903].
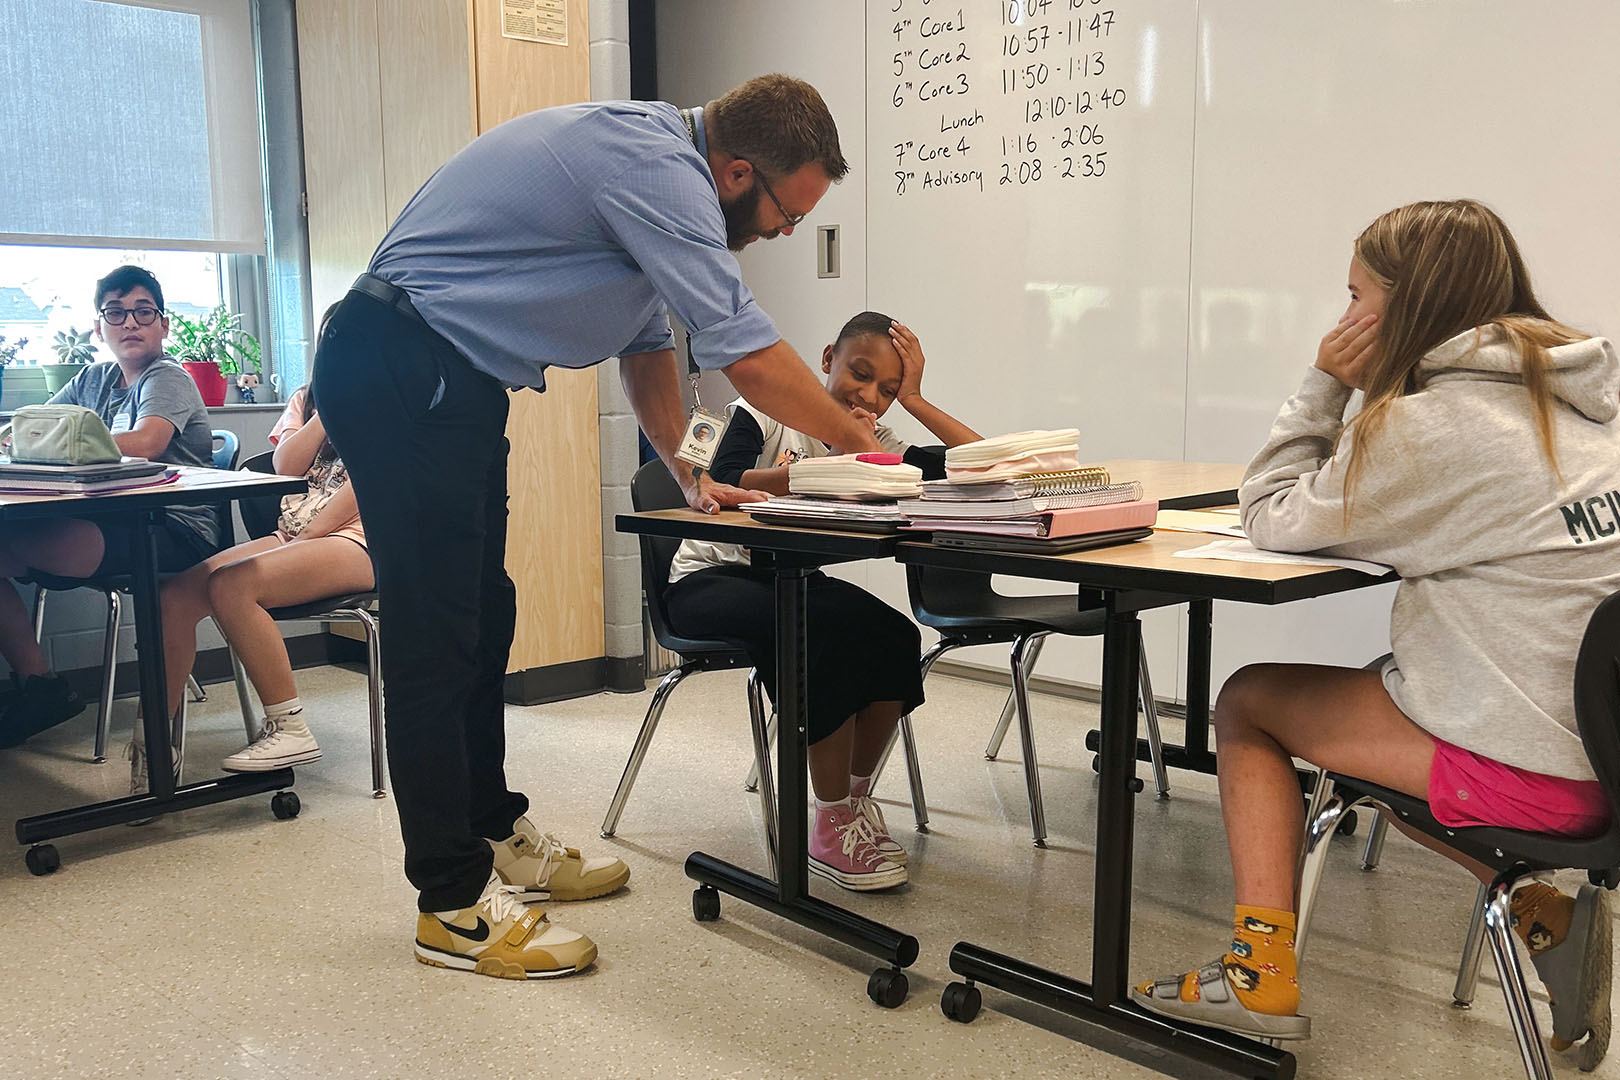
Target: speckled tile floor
[223,943]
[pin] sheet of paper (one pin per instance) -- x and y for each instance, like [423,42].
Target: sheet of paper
[1243,551]
[1219,522]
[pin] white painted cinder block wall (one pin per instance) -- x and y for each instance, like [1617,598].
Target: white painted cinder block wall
[621,566]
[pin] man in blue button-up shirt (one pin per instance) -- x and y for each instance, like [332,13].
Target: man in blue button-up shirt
[560,238]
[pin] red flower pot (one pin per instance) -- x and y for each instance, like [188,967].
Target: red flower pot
[209,381]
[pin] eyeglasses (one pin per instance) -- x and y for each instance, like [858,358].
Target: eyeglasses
[144,316]
[793,220]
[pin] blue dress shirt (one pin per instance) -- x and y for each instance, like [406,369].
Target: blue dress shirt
[569,235]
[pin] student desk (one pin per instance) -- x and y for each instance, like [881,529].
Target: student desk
[1125,580]
[792,553]
[143,509]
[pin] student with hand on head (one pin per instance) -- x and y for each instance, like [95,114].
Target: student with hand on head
[154,411]
[317,551]
[1485,421]
[864,671]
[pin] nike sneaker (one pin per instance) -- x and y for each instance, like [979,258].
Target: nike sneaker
[499,936]
[540,867]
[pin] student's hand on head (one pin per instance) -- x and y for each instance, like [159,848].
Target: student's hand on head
[1347,348]
[711,496]
[911,361]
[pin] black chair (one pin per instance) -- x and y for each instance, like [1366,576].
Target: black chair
[259,517]
[1513,854]
[965,609]
[653,488]
[227,449]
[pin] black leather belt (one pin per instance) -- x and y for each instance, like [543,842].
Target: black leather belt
[392,295]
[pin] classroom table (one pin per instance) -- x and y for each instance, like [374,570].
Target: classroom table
[143,508]
[1125,580]
[792,553]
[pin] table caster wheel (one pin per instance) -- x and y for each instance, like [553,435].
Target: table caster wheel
[960,1002]
[1347,824]
[888,987]
[285,805]
[705,904]
[42,859]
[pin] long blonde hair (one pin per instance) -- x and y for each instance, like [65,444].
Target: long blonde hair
[1448,267]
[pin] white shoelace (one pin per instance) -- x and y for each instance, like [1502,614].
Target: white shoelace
[552,852]
[501,901]
[857,835]
[867,807]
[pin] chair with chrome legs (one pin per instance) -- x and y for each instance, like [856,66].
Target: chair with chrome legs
[227,449]
[259,517]
[1515,855]
[966,610]
[653,488]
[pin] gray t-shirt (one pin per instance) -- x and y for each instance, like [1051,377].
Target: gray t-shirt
[163,390]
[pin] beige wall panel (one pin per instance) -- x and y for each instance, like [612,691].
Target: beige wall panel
[554,545]
[427,102]
[343,141]
[515,77]
[554,553]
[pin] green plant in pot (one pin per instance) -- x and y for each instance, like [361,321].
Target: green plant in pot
[9,351]
[211,348]
[74,349]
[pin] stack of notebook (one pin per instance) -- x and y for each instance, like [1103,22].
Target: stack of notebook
[103,479]
[1004,493]
[850,491]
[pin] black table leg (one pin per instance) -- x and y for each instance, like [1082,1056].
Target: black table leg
[162,797]
[789,896]
[1105,1004]
[1194,754]
[1200,627]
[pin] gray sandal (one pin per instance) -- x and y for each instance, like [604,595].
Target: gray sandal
[1217,1006]
[1577,973]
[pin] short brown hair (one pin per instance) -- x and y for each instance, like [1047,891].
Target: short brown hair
[779,124]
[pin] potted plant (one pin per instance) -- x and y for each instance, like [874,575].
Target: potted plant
[211,348]
[8,353]
[73,349]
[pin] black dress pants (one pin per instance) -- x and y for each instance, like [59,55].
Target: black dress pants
[422,433]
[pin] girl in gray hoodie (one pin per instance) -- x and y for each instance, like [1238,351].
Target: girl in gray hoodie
[1483,466]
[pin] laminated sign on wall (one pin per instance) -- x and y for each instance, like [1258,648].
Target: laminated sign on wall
[545,21]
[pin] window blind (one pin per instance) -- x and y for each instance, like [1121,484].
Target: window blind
[131,124]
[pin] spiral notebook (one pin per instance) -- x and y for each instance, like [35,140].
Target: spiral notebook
[1027,506]
[1071,482]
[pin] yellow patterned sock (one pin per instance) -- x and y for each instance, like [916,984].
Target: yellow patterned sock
[1260,964]
[1541,916]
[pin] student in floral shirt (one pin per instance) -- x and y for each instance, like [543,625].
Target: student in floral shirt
[318,550]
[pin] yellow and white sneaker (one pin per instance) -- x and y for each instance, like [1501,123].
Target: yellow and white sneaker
[499,936]
[540,867]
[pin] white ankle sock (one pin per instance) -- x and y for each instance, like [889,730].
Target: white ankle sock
[844,803]
[863,784]
[291,707]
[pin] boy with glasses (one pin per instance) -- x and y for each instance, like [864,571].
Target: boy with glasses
[154,411]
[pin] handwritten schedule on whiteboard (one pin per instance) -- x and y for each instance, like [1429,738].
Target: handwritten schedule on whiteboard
[1034,107]
[1029,189]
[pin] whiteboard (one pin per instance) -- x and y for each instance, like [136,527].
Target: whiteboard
[1169,305]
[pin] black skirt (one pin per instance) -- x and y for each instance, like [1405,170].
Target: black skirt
[859,650]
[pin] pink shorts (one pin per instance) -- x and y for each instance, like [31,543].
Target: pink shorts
[1466,789]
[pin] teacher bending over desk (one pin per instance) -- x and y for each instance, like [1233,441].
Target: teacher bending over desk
[556,239]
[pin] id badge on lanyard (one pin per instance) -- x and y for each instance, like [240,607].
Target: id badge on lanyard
[704,431]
